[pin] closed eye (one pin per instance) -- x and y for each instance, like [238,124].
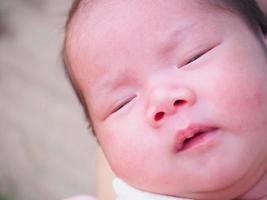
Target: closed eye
[197,56]
[194,58]
[122,104]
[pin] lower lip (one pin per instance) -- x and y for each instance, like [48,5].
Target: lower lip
[200,140]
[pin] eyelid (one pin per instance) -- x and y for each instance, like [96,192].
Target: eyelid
[121,104]
[195,55]
[198,55]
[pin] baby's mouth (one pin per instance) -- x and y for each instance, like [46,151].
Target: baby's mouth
[193,136]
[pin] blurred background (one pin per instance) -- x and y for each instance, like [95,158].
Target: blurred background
[46,150]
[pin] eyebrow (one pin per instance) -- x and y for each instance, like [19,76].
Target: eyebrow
[110,83]
[170,42]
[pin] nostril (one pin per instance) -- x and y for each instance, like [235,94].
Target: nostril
[159,116]
[179,102]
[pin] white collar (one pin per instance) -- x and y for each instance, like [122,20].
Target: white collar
[127,192]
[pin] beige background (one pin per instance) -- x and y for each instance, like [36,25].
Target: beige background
[46,151]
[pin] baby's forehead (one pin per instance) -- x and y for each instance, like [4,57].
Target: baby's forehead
[105,32]
[108,25]
[104,11]
[102,19]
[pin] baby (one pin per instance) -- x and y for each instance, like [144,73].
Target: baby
[175,91]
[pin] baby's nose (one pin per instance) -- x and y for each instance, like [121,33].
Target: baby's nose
[163,103]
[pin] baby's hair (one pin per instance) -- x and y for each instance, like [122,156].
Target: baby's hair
[247,9]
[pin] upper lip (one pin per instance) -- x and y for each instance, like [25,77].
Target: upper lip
[189,132]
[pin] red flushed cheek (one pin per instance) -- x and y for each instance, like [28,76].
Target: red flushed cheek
[121,150]
[128,162]
[241,101]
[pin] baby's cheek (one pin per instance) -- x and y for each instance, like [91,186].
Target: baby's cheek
[129,163]
[241,101]
[134,154]
[124,151]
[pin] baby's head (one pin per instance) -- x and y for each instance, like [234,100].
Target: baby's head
[175,91]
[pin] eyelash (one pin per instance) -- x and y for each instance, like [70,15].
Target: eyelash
[194,58]
[121,105]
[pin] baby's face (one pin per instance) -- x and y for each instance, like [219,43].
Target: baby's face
[177,94]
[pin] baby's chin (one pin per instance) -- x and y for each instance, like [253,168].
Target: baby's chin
[221,187]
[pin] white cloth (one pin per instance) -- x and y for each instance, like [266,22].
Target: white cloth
[126,192]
